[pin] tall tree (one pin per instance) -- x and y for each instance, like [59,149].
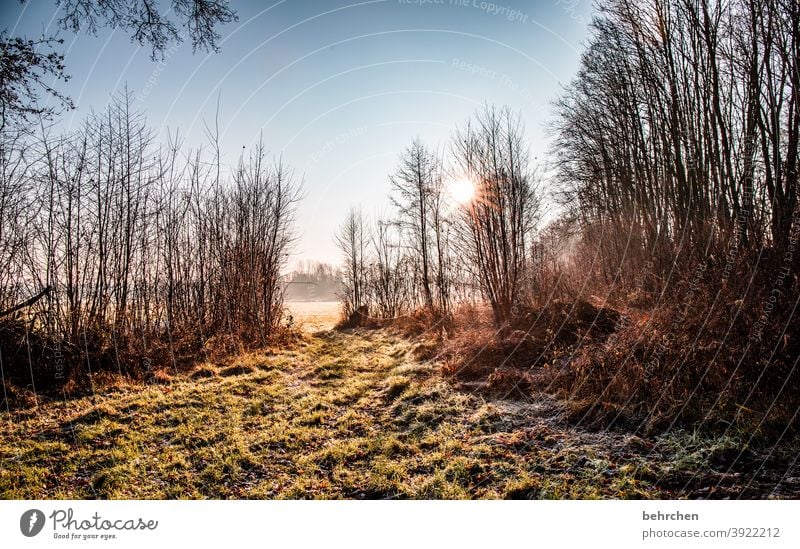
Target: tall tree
[497,223]
[353,241]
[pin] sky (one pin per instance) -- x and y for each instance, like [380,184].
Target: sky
[337,88]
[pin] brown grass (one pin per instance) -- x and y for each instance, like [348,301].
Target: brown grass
[647,369]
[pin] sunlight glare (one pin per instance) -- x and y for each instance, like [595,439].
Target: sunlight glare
[462,190]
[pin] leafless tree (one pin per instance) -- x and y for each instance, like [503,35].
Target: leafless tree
[353,241]
[678,140]
[389,274]
[127,244]
[415,184]
[497,223]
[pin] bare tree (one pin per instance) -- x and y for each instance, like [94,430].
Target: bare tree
[353,241]
[389,273]
[414,185]
[497,223]
[17,211]
[679,136]
[126,244]
[151,24]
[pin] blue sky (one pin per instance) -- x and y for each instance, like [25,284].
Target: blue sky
[337,87]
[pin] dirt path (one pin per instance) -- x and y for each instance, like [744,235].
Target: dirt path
[345,415]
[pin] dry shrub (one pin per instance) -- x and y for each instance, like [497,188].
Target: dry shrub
[509,358]
[695,360]
[205,370]
[38,369]
[22,347]
[423,323]
[162,377]
[358,318]
[237,369]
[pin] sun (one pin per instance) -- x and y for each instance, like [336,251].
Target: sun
[462,190]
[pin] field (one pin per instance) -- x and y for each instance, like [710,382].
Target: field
[314,315]
[352,414]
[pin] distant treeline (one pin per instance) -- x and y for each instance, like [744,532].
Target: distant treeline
[313,281]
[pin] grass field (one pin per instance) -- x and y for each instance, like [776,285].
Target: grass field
[349,415]
[314,316]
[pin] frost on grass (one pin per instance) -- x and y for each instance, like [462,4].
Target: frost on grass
[349,415]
